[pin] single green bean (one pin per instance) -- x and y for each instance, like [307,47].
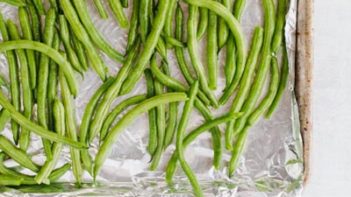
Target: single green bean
[238,8]
[79,30]
[66,40]
[172,42]
[117,111]
[180,137]
[172,164]
[6,180]
[279,26]
[223,31]
[212,49]
[144,21]
[263,68]
[111,94]
[271,94]
[283,81]
[237,150]
[162,49]
[59,172]
[128,118]
[3,82]
[94,34]
[100,8]
[246,81]
[152,144]
[18,3]
[60,127]
[39,6]
[23,16]
[125,3]
[70,126]
[195,59]
[149,47]
[54,4]
[169,20]
[203,23]
[35,24]
[14,78]
[79,48]
[17,154]
[48,51]
[35,128]
[4,118]
[87,117]
[25,81]
[134,24]
[117,10]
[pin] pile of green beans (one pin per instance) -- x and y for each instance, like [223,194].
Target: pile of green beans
[46,57]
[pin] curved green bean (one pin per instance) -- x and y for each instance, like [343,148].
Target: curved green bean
[149,47]
[128,118]
[169,20]
[223,32]
[238,8]
[25,84]
[180,135]
[17,154]
[100,8]
[27,34]
[47,51]
[279,27]
[134,24]
[212,49]
[79,48]
[172,164]
[144,18]
[117,111]
[79,30]
[70,126]
[172,42]
[283,81]
[111,93]
[246,81]
[60,127]
[35,23]
[203,23]
[35,128]
[162,49]
[14,78]
[94,34]
[66,40]
[17,3]
[237,150]
[193,49]
[117,10]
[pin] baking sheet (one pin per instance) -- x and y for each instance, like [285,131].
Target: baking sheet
[271,165]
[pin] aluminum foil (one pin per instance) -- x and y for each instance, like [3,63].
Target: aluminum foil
[270,166]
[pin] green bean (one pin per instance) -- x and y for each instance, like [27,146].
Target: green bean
[70,126]
[172,42]
[17,154]
[263,68]
[117,111]
[27,34]
[172,164]
[79,30]
[25,83]
[152,144]
[87,117]
[203,23]
[14,78]
[162,49]
[48,51]
[193,48]
[169,19]
[246,81]
[3,82]
[100,8]
[149,47]
[128,118]
[4,118]
[212,49]
[144,18]
[283,81]
[6,180]
[111,94]
[18,3]
[238,8]
[223,32]
[237,150]
[35,128]
[134,24]
[66,40]
[39,6]
[54,4]
[279,27]
[180,135]
[117,10]
[125,3]
[45,171]
[59,172]
[94,34]
[35,23]
[81,54]
[271,94]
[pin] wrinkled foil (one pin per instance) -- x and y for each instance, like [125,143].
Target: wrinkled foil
[270,166]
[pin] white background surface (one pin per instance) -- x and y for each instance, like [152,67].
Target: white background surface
[331,158]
